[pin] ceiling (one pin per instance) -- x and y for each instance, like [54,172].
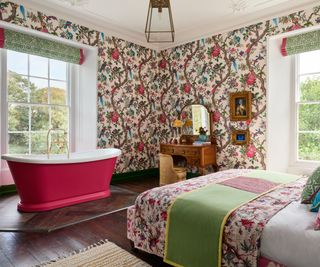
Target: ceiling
[192,19]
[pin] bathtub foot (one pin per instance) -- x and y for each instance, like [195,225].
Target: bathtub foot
[50,205]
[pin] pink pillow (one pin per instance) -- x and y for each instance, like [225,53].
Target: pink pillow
[317,224]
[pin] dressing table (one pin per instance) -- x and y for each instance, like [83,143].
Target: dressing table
[199,155]
[192,120]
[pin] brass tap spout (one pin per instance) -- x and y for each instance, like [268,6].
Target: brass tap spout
[64,141]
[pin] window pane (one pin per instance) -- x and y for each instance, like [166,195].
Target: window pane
[39,90]
[309,62]
[39,118]
[310,87]
[39,66]
[18,87]
[309,115]
[58,92]
[60,117]
[58,70]
[38,143]
[18,143]
[18,118]
[17,62]
[309,146]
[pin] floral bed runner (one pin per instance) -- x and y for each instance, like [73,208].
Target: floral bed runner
[147,219]
[196,219]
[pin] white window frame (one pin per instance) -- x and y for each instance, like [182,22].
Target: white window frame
[71,73]
[297,102]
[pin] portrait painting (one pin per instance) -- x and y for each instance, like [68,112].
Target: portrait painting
[240,106]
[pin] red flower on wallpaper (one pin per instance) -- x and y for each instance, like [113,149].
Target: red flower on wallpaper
[114,116]
[183,115]
[248,122]
[216,116]
[251,151]
[251,79]
[141,89]
[162,118]
[163,64]
[140,146]
[215,50]
[187,88]
[115,54]
[295,27]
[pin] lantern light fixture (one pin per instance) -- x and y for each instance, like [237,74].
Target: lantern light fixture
[159,25]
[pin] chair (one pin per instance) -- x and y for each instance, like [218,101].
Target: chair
[168,172]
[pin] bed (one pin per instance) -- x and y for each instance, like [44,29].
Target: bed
[272,229]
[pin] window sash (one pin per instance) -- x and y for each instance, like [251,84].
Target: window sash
[6,102]
[299,102]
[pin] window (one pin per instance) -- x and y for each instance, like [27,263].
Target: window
[37,99]
[307,102]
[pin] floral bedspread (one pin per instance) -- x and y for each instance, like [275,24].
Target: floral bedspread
[241,241]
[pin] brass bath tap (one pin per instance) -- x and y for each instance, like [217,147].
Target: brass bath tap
[60,143]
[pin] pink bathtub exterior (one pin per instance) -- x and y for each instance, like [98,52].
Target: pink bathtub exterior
[43,187]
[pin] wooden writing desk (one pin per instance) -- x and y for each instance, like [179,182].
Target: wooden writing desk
[196,155]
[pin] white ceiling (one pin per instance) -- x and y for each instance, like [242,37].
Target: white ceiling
[192,18]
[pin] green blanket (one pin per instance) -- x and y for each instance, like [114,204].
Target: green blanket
[196,220]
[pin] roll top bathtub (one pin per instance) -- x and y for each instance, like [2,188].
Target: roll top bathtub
[46,184]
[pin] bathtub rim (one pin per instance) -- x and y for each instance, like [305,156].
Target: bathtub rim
[42,159]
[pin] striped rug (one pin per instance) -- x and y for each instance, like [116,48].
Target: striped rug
[101,254]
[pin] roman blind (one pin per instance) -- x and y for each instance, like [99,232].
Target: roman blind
[38,46]
[301,43]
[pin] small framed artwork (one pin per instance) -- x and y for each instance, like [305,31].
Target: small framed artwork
[240,137]
[240,106]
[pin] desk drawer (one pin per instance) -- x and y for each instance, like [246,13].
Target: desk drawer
[194,152]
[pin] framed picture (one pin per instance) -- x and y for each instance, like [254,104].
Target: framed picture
[240,137]
[240,106]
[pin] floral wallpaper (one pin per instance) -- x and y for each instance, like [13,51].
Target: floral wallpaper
[207,70]
[128,90]
[141,92]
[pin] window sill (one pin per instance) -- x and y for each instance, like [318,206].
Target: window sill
[303,167]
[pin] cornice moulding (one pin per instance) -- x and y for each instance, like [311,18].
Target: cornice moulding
[182,37]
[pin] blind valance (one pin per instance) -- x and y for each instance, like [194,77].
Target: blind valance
[38,46]
[301,43]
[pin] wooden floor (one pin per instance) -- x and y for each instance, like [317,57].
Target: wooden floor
[28,249]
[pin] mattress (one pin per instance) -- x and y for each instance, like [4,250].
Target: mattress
[289,238]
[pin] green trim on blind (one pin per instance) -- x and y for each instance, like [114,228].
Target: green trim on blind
[301,43]
[33,45]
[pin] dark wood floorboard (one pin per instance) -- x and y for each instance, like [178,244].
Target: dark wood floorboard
[12,220]
[28,249]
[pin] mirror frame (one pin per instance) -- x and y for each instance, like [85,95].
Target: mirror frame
[211,137]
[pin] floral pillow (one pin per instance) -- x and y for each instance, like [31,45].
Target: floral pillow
[311,188]
[317,224]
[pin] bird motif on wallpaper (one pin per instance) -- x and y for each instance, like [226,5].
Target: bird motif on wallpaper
[275,21]
[130,73]
[234,64]
[23,12]
[101,36]
[201,100]
[101,101]
[129,133]
[103,66]
[176,74]
[153,105]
